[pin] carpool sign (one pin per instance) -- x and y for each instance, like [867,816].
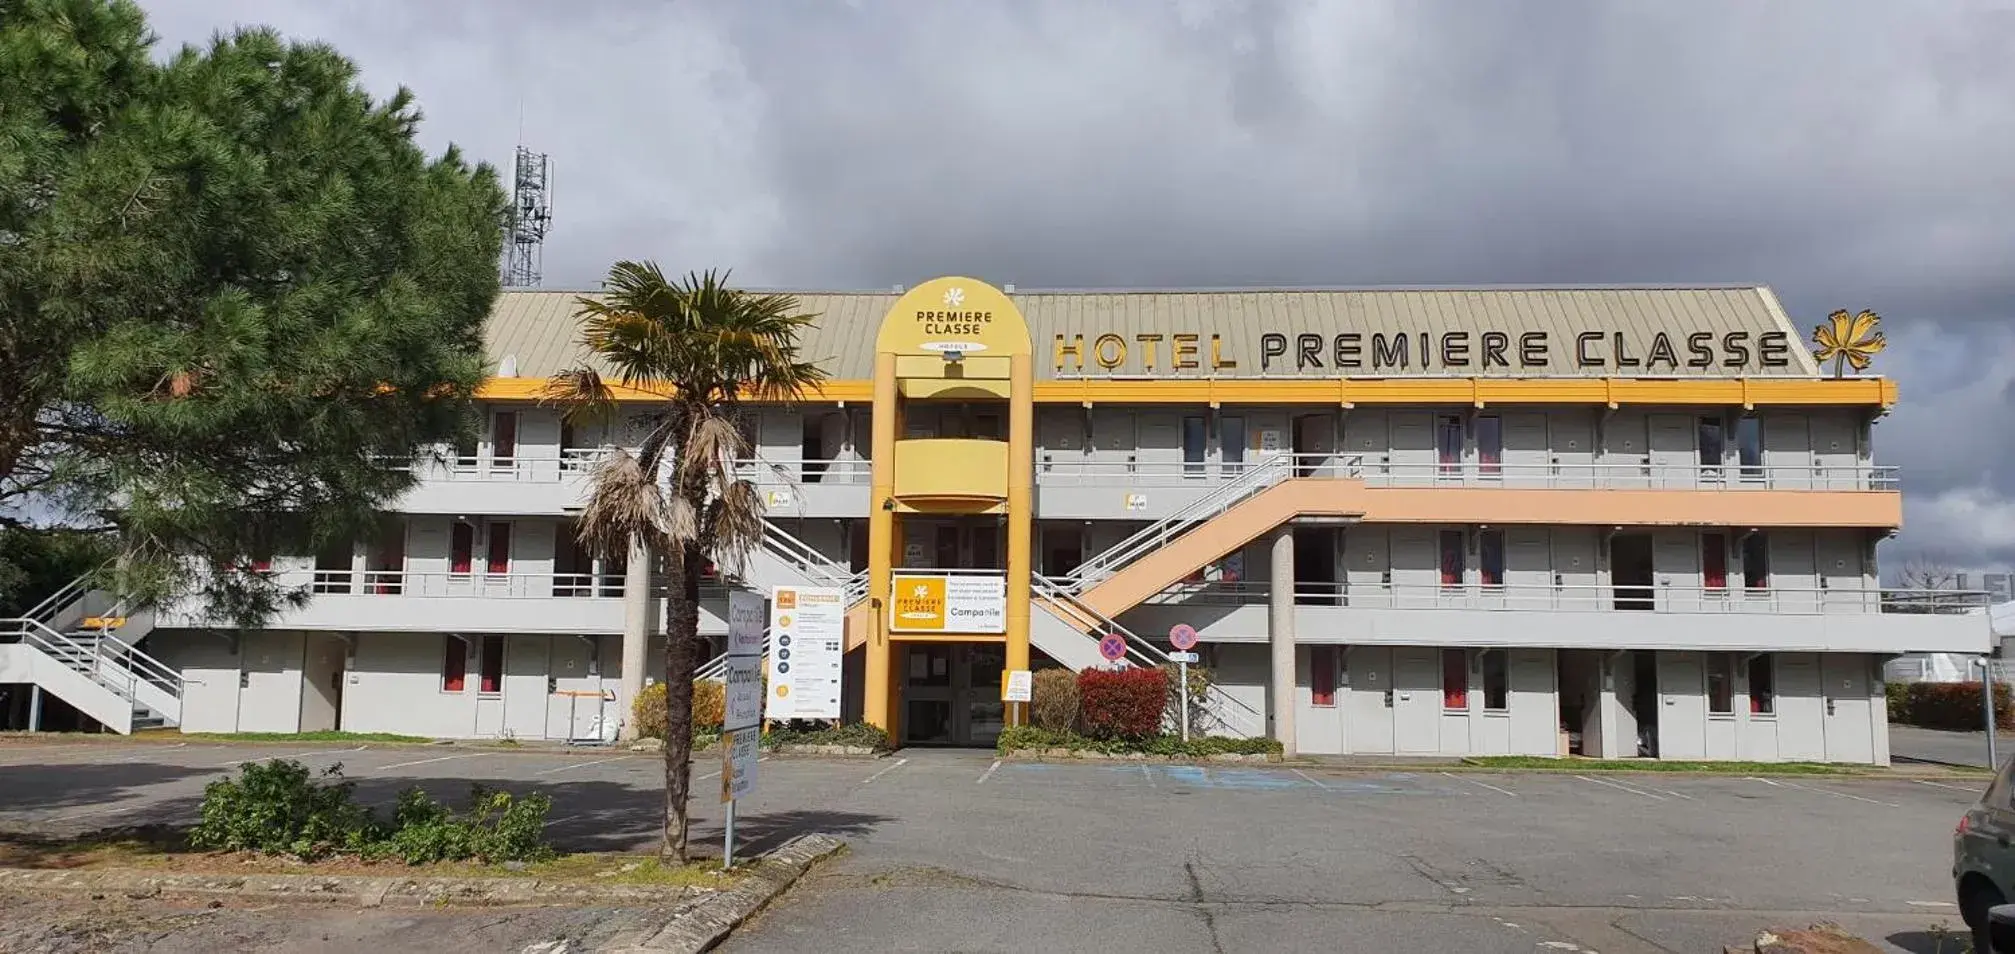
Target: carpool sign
[742,722]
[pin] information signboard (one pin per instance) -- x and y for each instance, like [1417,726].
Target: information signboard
[807,651]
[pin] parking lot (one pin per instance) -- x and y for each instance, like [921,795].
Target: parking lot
[959,851]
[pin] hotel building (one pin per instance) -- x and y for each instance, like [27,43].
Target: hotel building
[1605,521]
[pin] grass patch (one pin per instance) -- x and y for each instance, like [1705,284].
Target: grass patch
[168,850]
[301,737]
[1661,765]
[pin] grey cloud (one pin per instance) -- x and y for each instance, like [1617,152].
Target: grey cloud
[1851,154]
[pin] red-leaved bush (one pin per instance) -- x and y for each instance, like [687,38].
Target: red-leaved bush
[1955,706]
[1123,704]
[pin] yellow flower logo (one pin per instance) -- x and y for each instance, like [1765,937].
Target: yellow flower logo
[1848,341]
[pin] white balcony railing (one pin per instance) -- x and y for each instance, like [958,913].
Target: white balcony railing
[1066,470]
[1588,598]
[1379,472]
[507,585]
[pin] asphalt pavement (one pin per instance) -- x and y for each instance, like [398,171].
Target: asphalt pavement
[1910,743]
[958,851]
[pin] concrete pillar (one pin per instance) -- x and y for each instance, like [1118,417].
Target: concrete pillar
[1280,636]
[1020,518]
[637,626]
[878,704]
[34,708]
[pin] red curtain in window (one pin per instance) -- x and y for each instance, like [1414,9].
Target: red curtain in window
[1454,679]
[500,549]
[1451,558]
[1322,675]
[462,550]
[493,664]
[454,664]
[1714,560]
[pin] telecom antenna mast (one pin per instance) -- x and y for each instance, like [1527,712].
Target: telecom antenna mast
[525,223]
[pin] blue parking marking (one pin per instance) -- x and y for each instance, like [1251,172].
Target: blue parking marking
[1228,778]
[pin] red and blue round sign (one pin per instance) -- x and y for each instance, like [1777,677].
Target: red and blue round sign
[1112,646]
[1182,636]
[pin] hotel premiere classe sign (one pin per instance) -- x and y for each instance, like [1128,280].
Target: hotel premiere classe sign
[1406,352]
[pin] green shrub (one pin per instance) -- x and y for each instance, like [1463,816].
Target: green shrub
[279,808]
[1053,702]
[1898,694]
[859,734]
[496,828]
[1200,680]
[710,705]
[1017,738]
[649,711]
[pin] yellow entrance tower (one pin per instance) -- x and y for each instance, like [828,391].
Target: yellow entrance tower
[948,340]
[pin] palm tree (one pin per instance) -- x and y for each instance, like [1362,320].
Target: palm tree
[702,349]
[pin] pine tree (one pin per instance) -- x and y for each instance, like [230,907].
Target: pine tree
[231,288]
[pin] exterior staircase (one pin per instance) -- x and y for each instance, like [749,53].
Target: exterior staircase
[79,645]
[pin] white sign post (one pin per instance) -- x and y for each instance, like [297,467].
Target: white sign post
[742,718]
[807,652]
[1183,637]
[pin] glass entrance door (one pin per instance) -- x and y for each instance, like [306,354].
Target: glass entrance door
[951,693]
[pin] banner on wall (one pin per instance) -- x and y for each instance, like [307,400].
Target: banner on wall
[807,649]
[947,603]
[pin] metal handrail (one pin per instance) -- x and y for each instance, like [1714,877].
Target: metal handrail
[1663,598]
[70,651]
[55,602]
[1155,535]
[1379,470]
[1139,650]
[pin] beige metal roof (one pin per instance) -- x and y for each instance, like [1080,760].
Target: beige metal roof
[532,333]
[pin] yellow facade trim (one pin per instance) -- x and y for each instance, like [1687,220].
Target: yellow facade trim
[1478,392]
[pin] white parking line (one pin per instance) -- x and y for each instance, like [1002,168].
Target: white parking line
[898,764]
[1828,791]
[1619,786]
[1310,779]
[1144,773]
[444,758]
[702,778]
[1956,788]
[1677,794]
[991,769]
[1487,785]
[582,765]
[293,755]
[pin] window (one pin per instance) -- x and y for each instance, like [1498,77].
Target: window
[947,547]
[1231,443]
[1714,561]
[461,548]
[332,569]
[1490,556]
[1749,446]
[1756,562]
[1496,682]
[493,665]
[1448,444]
[454,664]
[1720,683]
[986,547]
[500,549]
[387,561]
[1322,675]
[1712,447]
[1490,445]
[504,438]
[1452,558]
[1192,445]
[1762,684]
[466,451]
[1455,679]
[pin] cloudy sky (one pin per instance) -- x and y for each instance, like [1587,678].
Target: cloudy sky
[1850,154]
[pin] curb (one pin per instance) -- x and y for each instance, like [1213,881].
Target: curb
[706,923]
[1086,755]
[361,890]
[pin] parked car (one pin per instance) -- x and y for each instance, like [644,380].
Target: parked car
[1983,854]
